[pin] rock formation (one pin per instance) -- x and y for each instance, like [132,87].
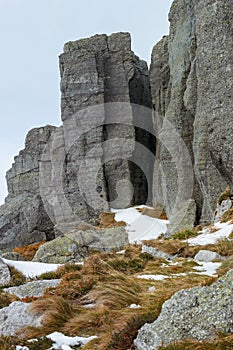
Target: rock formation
[191,84]
[199,313]
[104,153]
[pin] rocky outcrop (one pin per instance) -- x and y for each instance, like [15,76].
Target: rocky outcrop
[70,174]
[76,245]
[191,83]
[199,313]
[17,316]
[23,219]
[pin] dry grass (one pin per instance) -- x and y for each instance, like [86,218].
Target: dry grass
[227,216]
[107,220]
[95,299]
[158,212]
[222,343]
[28,252]
[174,247]
[222,246]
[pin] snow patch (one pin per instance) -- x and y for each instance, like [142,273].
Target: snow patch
[140,227]
[32,269]
[153,277]
[62,342]
[212,238]
[208,268]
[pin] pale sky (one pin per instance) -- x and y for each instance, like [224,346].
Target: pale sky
[32,35]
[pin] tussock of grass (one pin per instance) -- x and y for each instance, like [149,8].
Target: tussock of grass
[28,252]
[227,216]
[173,247]
[108,282]
[61,271]
[117,293]
[185,234]
[107,220]
[222,246]
[17,278]
[225,195]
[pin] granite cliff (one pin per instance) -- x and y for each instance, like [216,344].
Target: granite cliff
[70,174]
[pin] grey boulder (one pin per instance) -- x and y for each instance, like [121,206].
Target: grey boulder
[32,289]
[76,245]
[199,313]
[17,316]
[207,256]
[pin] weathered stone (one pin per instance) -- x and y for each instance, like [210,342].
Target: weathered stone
[23,219]
[17,316]
[222,208]
[4,273]
[184,219]
[207,256]
[199,313]
[74,246]
[191,83]
[68,175]
[32,289]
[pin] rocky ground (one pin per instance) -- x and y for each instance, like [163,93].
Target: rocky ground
[151,293]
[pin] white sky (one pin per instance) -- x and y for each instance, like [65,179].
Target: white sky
[32,35]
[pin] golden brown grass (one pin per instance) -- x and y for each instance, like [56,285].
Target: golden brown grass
[174,247]
[107,220]
[227,216]
[221,343]
[28,252]
[94,300]
[158,212]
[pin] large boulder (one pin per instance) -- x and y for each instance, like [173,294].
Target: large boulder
[76,245]
[17,316]
[191,84]
[200,313]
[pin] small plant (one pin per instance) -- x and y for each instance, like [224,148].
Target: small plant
[225,195]
[17,278]
[185,234]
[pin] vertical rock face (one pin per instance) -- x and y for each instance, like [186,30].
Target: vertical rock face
[69,174]
[191,83]
[23,219]
[100,77]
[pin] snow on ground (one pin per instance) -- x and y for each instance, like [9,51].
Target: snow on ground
[208,268]
[153,277]
[30,268]
[62,342]
[211,238]
[140,227]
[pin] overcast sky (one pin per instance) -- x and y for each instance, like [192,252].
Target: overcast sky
[32,35]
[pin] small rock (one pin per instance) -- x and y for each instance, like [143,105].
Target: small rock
[156,253]
[16,316]
[32,289]
[207,256]
[4,273]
